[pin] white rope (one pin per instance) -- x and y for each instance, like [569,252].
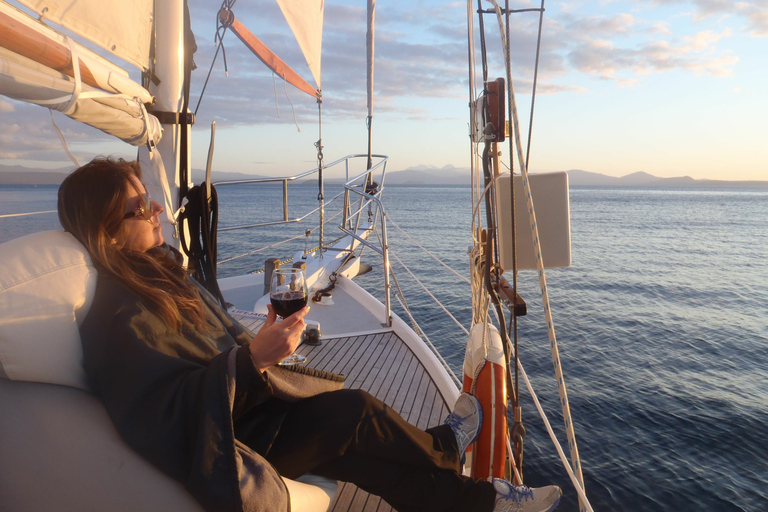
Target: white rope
[389,218]
[274,86]
[576,484]
[285,88]
[63,141]
[511,454]
[430,294]
[77,94]
[570,433]
[76,72]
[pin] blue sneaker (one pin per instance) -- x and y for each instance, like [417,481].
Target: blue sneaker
[465,421]
[519,498]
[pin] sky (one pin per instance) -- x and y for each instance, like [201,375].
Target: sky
[668,87]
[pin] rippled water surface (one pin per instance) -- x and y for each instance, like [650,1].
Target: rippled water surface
[662,324]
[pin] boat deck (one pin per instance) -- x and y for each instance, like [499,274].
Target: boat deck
[382,364]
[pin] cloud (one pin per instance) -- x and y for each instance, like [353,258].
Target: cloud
[755,13]
[28,134]
[757,17]
[432,65]
[617,47]
[605,59]
[621,24]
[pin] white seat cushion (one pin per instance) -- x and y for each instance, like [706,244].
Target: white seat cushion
[47,282]
[64,439]
[59,451]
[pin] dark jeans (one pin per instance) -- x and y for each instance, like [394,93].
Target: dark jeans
[351,436]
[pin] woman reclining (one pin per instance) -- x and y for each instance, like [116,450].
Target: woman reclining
[200,397]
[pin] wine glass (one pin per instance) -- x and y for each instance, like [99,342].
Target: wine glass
[288,294]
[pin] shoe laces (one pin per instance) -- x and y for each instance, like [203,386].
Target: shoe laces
[516,493]
[455,421]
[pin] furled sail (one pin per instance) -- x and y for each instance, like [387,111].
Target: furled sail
[123,28]
[305,17]
[124,117]
[39,65]
[29,38]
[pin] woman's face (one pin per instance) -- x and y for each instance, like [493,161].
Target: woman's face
[140,232]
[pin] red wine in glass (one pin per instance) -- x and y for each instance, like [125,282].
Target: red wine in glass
[287,303]
[288,294]
[288,291]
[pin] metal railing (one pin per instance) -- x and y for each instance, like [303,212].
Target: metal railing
[369,203]
[381,165]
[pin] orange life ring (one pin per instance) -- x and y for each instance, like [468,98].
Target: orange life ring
[485,377]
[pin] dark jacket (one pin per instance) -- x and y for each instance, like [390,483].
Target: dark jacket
[180,399]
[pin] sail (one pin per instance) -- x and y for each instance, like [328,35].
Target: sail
[125,118]
[305,17]
[21,35]
[123,28]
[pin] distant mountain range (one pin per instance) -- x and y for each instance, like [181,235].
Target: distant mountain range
[450,175]
[419,175]
[643,179]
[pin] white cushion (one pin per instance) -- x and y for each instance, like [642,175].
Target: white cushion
[60,452]
[47,282]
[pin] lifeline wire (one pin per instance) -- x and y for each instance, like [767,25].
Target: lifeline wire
[431,295]
[427,251]
[25,214]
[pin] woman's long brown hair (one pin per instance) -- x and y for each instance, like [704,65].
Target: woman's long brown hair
[91,206]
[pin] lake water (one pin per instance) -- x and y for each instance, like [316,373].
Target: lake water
[662,324]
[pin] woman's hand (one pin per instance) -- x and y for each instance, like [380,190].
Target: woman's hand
[277,340]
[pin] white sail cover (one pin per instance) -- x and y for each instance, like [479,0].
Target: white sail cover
[123,28]
[119,115]
[305,17]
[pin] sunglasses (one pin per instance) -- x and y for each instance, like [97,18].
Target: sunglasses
[144,210]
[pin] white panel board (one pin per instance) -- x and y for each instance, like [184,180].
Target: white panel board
[552,207]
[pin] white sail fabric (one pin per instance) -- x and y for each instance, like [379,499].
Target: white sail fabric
[27,37]
[123,28]
[305,17]
[118,115]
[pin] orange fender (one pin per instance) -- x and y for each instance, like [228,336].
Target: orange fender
[485,377]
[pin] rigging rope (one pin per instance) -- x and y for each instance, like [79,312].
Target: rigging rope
[200,218]
[570,433]
[574,480]
[400,297]
[430,294]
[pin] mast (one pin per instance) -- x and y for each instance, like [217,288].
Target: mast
[168,89]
